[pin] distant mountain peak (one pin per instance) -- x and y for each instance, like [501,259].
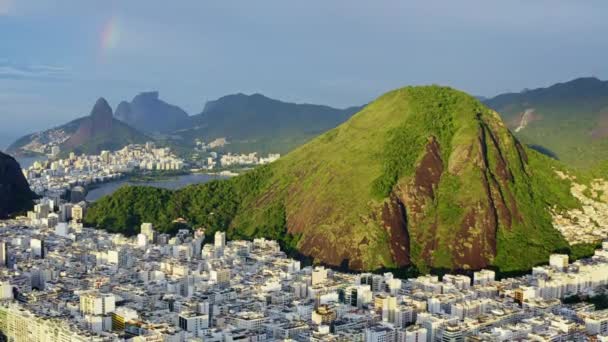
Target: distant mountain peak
[101,108]
[148,113]
[101,115]
[147,96]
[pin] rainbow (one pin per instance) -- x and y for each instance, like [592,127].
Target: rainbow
[110,35]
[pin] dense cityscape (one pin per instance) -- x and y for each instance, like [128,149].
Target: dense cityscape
[57,177]
[313,171]
[61,281]
[70,178]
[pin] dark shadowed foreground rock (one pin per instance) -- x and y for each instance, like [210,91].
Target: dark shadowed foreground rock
[15,193]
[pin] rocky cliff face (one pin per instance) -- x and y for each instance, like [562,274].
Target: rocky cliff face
[98,123]
[101,131]
[480,161]
[89,134]
[147,112]
[15,193]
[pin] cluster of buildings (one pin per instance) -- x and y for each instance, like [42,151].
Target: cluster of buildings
[56,177]
[201,145]
[250,159]
[64,282]
[590,222]
[217,160]
[213,157]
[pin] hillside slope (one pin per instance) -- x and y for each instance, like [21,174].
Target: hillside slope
[90,134]
[255,123]
[569,120]
[40,142]
[423,176]
[100,131]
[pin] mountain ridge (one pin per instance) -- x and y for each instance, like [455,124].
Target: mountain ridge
[257,123]
[88,134]
[422,176]
[570,119]
[252,123]
[148,113]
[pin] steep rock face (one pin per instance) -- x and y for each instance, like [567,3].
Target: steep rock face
[394,219]
[100,131]
[124,113]
[89,134]
[99,122]
[438,216]
[15,193]
[148,113]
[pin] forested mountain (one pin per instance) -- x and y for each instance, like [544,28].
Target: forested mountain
[423,176]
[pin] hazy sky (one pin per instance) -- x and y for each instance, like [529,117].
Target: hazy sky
[58,56]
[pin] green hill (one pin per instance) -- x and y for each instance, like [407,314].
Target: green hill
[256,123]
[568,120]
[423,176]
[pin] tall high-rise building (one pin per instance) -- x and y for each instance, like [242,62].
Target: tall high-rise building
[42,209]
[105,156]
[148,230]
[319,275]
[3,254]
[55,150]
[221,276]
[96,303]
[558,261]
[220,240]
[37,247]
[77,213]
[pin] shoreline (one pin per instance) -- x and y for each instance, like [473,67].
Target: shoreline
[151,180]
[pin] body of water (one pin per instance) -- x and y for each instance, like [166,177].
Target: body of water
[26,162]
[169,183]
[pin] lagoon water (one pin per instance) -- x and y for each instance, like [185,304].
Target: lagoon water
[26,162]
[172,183]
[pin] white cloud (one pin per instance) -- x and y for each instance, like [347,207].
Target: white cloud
[34,71]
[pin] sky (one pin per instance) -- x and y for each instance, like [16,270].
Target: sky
[58,56]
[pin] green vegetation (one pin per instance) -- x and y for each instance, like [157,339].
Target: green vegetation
[432,112]
[155,175]
[583,250]
[569,120]
[255,123]
[483,205]
[211,206]
[599,301]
